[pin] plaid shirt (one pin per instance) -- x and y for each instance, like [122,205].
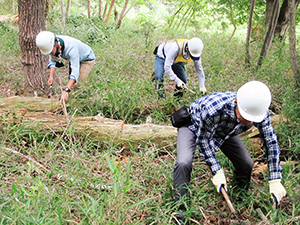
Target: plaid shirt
[214,121]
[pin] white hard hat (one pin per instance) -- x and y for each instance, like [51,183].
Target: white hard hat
[45,41]
[253,101]
[195,46]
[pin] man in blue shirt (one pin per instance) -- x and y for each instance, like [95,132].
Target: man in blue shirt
[80,56]
[216,121]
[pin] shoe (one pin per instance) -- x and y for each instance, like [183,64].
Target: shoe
[180,218]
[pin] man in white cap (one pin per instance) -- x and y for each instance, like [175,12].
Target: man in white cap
[80,56]
[171,58]
[216,122]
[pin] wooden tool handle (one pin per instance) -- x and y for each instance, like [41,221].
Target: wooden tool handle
[228,200]
[185,87]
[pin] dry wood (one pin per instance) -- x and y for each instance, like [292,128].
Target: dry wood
[185,87]
[261,215]
[36,112]
[55,176]
[27,157]
[39,113]
[228,201]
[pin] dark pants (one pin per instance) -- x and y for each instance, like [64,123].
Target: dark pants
[178,69]
[233,148]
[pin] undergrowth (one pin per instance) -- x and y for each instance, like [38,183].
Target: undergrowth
[85,181]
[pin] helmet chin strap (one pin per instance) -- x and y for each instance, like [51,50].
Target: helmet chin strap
[58,48]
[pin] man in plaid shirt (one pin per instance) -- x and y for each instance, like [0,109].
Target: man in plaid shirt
[216,121]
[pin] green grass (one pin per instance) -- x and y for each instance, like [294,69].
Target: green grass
[89,182]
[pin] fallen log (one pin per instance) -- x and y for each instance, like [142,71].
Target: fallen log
[38,114]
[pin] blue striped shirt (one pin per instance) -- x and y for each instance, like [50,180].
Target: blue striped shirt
[214,121]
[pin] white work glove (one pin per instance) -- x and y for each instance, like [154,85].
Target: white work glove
[219,180]
[203,90]
[180,84]
[277,190]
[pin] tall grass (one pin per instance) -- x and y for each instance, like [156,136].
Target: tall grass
[94,183]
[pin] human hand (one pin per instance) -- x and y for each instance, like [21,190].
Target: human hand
[219,180]
[64,97]
[203,90]
[277,190]
[180,84]
[50,81]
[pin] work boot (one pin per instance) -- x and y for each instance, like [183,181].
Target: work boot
[178,92]
[160,90]
[182,219]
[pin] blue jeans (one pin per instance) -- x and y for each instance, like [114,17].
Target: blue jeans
[178,69]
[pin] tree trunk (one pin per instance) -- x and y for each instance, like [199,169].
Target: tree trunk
[283,20]
[109,11]
[68,7]
[122,14]
[13,6]
[270,32]
[46,9]
[37,113]
[105,8]
[31,22]
[269,11]
[292,43]
[232,20]
[62,7]
[247,58]
[100,7]
[32,112]
[89,9]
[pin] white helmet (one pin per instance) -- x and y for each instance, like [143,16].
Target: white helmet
[195,46]
[253,101]
[45,41]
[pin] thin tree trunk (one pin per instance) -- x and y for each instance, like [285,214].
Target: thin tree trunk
[13,6]
[269,11]
[46,8]
[105,8]
[183,16]
[232,21]
[109,11]
[292,43]
[68,7]
[89,8]
[31,22]
[62,7]
[171,20]
[187,18]
[270,32]
[100,7]
[249,31]
[123,13]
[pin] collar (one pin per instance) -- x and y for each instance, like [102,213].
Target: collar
[184,51]
[230,110]
[61,45]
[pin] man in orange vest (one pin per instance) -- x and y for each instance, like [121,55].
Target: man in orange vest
[171,58]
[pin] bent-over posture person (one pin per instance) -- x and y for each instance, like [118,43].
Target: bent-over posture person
[80,56]
[171,58]
[216,121]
